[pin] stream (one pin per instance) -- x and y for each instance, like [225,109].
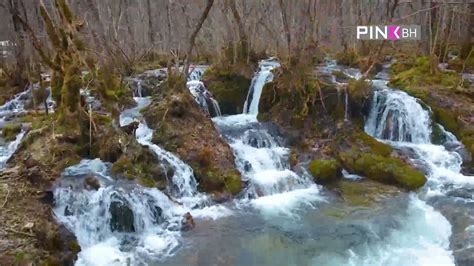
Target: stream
[282,217]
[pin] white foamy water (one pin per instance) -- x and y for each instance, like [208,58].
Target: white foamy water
[422,239]
[398,117]
[123,223]
[273,188]
[400,120]
[263,76]
[6,152]
[14,107]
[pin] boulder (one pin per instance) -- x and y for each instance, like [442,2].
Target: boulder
[325,171]
[91,183]
[122,218]
[187,222]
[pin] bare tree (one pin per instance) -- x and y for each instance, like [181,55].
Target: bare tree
[192,39]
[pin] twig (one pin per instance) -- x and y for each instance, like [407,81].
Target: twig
[6,198]
[464,66]
[20,233]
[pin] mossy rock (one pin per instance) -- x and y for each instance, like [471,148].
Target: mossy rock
[325,171]
[228,87]
[10,131]
[374,145]
[216,180]
[386,170]
[447,118]
[365,193]
[348,58]
[360,96]
[424,71]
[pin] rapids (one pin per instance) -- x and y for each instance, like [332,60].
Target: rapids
[282,217]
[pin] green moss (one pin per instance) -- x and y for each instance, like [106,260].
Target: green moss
[147,181]
[71,88]
[74,246]
[57,80]
[10,131]
[360,96]
[340,75]
[337,213]
[348,58]
[365,193]
[383,169]
[375,146]
[423,72]
[228,87]
[325,170]
[447,118]
[233,183]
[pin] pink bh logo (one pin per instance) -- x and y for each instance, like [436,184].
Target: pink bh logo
[393,32]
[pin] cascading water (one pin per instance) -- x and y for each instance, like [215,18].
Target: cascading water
[263,162]
[203,97]
[401,121]
[123,223]
[263,76]
[9,111]
[397,117]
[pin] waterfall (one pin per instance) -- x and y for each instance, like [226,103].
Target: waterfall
[123,223]
[396,116]
[263,76]
[401,121]
[200,93]
[8,111]
[6,152]
[273,188]
[184,184]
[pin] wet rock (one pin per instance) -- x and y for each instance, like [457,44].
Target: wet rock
[131,128]
[59,241]
[464,257]
[188,222]
[184,129]
[9,131]
[48,197]
[30,162]
[364,192]
[229,88]
[35,175]
[221,197]
[91,182]
[325,171]
[465,193]
[67,212]
[156,211]
[247,167]
[122,218]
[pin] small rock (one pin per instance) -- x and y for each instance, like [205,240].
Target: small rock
[29,225]
[220,197]
[188,222]
[131,128]
[30,162]
[91,182]
[48,197]
[122,217]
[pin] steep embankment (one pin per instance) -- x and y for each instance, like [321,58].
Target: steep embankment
[183,128]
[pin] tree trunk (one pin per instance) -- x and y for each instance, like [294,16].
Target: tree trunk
[286,25]
[14,9]
[192,40]
[151,32]
[242,35]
